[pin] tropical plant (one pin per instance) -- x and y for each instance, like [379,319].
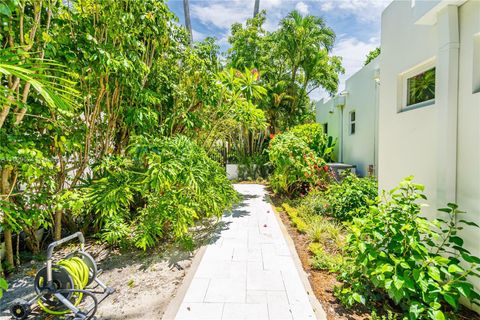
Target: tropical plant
[312,134]
[160,190]
[372,55]
[294,60]
[296,167]
[397,253]
[131,73]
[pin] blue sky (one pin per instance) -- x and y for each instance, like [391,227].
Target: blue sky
[356,23]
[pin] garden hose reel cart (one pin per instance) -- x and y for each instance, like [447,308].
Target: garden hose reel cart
[61,289]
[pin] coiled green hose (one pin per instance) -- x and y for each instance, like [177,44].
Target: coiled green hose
[78,270]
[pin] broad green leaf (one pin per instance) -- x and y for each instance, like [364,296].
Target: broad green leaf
[438,315]
[453,301]
[457,240]
[470,223]
[454,268]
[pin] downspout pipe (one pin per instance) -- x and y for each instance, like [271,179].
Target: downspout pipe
[447,82]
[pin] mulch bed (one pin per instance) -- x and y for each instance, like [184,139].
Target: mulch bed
[322,282]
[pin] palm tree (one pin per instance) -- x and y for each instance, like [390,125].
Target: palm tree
[188,24]
[299,39]
[299,36]
[256,8]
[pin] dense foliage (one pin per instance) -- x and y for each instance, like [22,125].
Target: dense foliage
[297,157]
[396,252]
[70,136]
[293,61]
[66,132]
[349,198]
[161,188]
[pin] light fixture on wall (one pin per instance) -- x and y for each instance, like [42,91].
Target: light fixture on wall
[344,93]
[376,75]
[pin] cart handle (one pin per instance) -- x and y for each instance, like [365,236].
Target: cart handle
[52,245]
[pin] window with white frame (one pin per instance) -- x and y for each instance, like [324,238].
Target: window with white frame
[352,124]
[418,86]
[325,128]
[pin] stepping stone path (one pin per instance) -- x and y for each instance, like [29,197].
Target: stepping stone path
[249,272]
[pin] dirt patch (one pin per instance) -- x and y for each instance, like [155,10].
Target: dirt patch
[145,282]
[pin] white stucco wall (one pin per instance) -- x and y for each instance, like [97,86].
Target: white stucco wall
[407,140]
[361,96]
[325,112]
[438,144]
[468,160]
[360,148]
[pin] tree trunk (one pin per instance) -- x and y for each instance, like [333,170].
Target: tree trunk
[58,225]
[256,8]
[8,248]
[188,24]
[5,191]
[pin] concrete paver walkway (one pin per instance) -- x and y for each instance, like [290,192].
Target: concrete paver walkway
[250,271]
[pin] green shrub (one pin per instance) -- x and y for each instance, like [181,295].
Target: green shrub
[312,134]
[396,252]
[160,190]
[349,198]
[297,160]
[343,201]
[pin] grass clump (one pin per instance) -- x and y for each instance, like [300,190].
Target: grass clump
[296,220]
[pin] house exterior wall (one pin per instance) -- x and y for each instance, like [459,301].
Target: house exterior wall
[407,140]
[438,144]
[326,113]
[468,158]
[360,148]
[361,97]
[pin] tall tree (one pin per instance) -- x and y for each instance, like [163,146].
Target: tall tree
[292,61]
[256,8]
[188,23]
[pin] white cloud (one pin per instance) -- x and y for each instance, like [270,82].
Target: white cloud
[222,14]
[326,6]
[353,53]
[198,36]
[364,10]
[302,7]
[270,4]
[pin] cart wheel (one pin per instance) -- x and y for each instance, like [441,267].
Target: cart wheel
[61,281]
[20,309]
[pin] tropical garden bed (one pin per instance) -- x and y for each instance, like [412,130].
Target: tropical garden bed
[114,124]
[379,256]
